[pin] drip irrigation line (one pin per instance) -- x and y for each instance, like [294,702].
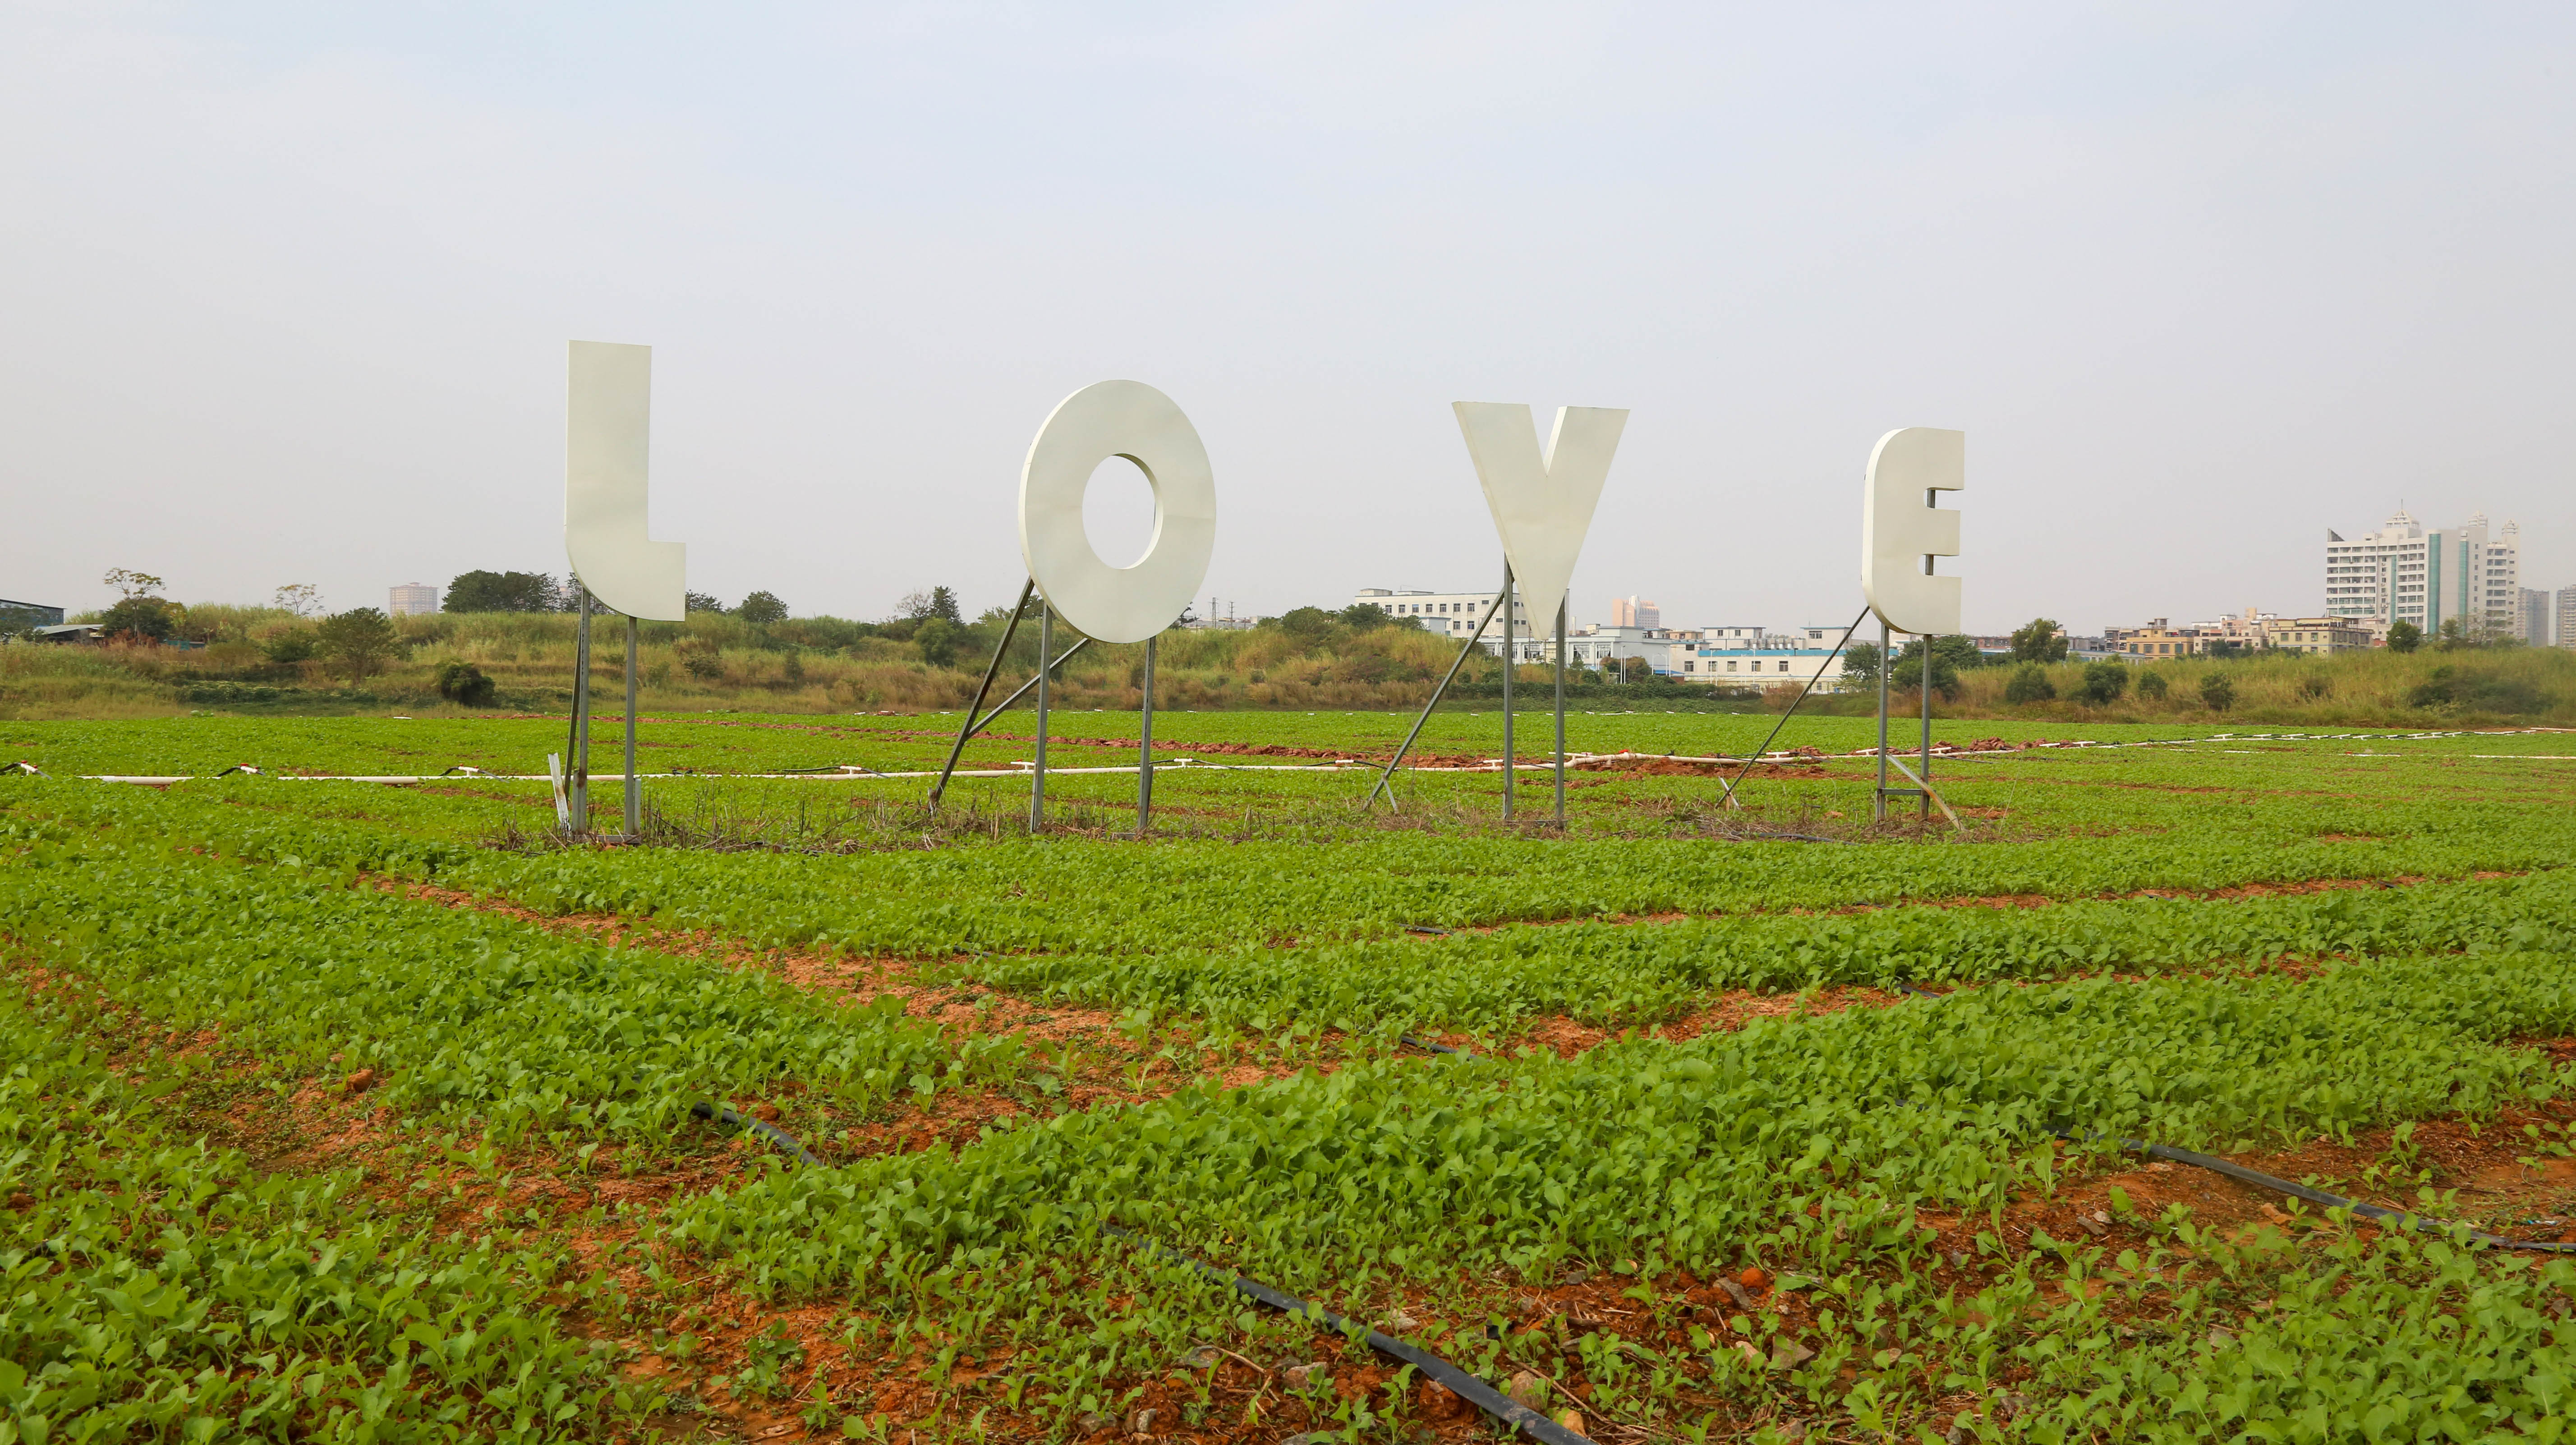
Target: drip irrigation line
[1509,1412]
[1513,1415]
[2380,1214]
[703,1109]
[1436,1048]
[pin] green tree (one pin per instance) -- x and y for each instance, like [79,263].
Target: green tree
[1860,664]
[939,602]
[133,584]
[2217,693]
[702,602]
[2104,681]
[1364,617]
[762,608]
[937,637]
[2152,686]
[2404,636]
[359,641]
[299,599]
[1949,654]
[138,618]
[2039,640]
[2455,636]
[2029,684]
[501,592]
[1307,622]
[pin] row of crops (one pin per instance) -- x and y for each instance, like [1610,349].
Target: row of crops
[745,743]
[301,1148]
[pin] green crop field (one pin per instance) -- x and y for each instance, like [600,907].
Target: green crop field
[362,1111]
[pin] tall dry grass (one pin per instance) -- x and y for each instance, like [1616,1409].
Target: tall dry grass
[713,661]
[2510,685]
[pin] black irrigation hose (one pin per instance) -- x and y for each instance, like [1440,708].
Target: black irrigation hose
[771,1132]
[1511,1413]
[2381,1214]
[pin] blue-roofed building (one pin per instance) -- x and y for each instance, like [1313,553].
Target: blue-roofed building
[20,616]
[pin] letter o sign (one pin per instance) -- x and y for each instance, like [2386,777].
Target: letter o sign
[1117,419]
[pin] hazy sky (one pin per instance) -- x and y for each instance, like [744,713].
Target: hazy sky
[284,290]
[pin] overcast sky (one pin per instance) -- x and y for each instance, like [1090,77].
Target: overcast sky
[284,289]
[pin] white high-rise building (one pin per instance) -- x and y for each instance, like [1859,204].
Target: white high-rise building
[2403,573]
[2535,617]
[2567,616]
[411,599]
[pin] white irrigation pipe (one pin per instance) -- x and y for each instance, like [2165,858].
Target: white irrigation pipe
[855,770]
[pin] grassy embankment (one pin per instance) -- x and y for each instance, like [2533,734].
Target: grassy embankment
[715,662]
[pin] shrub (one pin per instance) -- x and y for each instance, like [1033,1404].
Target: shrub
[699,658]
[2104,681]
[2216,692]
[2484,693]
[361,640]
[2434,691]
[464,684]
[2153,686]
[2404,636]
[293,645]
[761,609]
[2030,684]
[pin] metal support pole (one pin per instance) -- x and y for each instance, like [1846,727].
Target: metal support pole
[1022,690]
[1926,779]
[1774,735]
[1511,661]
[1037,773]
[1886,666]
[1385,777]
[966,729]
[634,794]
[1145,747]
[579,758]
[1560,714]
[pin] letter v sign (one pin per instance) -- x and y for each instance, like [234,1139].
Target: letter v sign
[1542,505]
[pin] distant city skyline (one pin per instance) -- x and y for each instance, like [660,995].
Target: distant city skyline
[289,287]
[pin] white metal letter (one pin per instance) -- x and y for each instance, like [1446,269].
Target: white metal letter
[607,433]
[1117,419]
[1901,531]
[1542,504]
